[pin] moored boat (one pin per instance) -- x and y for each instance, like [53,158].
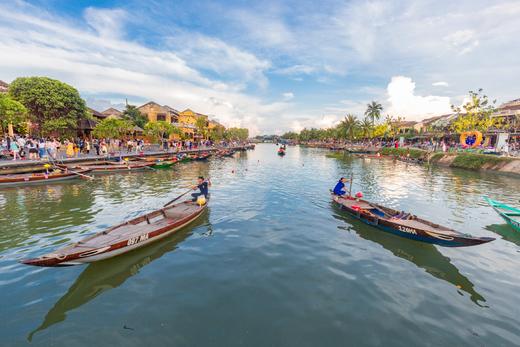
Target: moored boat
[124,237]
[510,214]
[35,178]
[116,166]
[163,164]
[405,224]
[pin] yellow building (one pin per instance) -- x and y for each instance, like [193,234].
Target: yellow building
[188,123]
[155,112]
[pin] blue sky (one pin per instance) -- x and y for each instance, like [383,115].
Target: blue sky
[270,66]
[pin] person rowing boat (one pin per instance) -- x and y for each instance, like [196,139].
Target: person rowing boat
[203,187]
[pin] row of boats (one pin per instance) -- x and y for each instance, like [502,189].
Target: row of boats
[56,172]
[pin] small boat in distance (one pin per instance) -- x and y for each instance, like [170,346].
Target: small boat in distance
[124,237]
[405,224]
[510,214]
[281,151]
[42,178]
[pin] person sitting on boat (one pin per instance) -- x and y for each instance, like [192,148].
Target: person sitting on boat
[203,187]
[340,189]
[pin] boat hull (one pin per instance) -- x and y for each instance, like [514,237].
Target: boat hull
[33,180]
[77,254]
[445,239]
[510,214]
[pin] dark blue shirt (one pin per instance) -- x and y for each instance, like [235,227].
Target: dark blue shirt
[203,188]
[338,189]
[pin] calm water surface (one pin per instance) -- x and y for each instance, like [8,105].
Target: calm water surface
[272,263]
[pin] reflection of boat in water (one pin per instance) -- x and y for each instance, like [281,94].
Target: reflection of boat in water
[103,276]
[423,255]
[506,232]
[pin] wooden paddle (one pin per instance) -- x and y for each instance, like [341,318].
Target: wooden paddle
[74,172]
[177,198]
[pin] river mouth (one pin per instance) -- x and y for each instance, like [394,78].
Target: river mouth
[273,262]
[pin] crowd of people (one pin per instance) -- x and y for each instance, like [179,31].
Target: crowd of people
[33,148]
[510,148]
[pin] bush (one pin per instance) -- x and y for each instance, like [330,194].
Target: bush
[477,161]
[414,153]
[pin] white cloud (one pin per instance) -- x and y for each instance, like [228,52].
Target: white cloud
[440,84]
[98,64]
[404,103]
[288,96]
[462,40]
[107,22]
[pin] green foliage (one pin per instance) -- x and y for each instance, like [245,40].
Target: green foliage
[414,153]
[160,130]
[476,114]
[11,112]
[477,161]
[113,128]
[62,126]
[132,114]
[202,126]
[217,133]
[240,134]
[47,99]
[290,135]
[348,126]
[373,111]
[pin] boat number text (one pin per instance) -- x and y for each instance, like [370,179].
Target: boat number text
[137,239]
[407,230]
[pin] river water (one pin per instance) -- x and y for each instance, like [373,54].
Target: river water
[272,263]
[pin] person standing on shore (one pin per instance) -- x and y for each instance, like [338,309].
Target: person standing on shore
[14,148]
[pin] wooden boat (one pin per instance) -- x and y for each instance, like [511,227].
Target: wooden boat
[116,166]
[124,237]
[203,156]
[510,214]
[406,224]
[163,164]
[34,178]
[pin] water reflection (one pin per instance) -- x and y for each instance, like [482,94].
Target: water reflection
[506,231]
[423,255]
[103,276]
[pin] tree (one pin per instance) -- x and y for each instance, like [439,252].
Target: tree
[290,135]
[348,126]
[48,100]
[373,111]
[113,128]
[476,114]
[240,134]
[160,130]
[366,128]
[133,114]
[201,125]
[12,113]
[217,133]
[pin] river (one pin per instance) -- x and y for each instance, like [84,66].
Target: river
[272,263]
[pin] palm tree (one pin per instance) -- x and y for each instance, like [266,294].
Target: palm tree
[366,127]
[373,111]
[349,125]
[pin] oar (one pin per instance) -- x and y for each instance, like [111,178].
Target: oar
[177,198]
[74,172]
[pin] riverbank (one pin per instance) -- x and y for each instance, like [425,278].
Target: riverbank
[23,166]
[470,161]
